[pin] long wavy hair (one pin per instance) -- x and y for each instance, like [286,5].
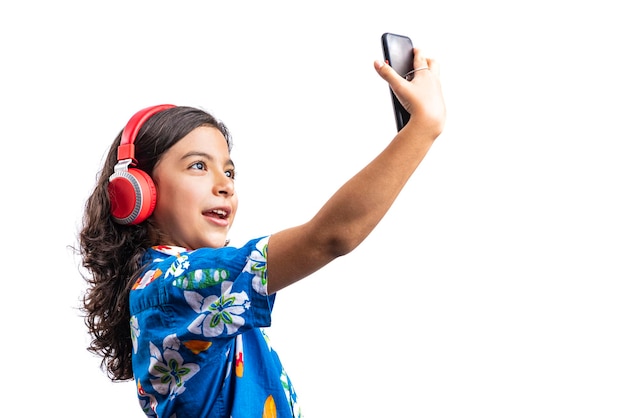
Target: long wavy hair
[111,253]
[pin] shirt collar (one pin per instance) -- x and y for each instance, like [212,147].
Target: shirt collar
[169,249]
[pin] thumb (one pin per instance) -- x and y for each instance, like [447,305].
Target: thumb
[387,73]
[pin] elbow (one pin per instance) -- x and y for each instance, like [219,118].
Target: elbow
[341,243]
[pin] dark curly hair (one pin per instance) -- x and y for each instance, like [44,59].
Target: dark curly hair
[111,253]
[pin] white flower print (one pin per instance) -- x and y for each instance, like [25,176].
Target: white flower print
[217,313]
[146,279]
[178,267]
[134,332]
[257,265]
[290,394]
[169,369]
[147,401]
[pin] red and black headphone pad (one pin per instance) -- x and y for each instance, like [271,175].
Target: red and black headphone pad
[132,195]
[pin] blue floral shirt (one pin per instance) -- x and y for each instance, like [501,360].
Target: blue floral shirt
[198,346]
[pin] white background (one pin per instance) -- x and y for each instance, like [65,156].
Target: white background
[493,288]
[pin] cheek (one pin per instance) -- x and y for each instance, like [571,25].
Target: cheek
[235,204]
[163,211]
[170,200]
[175,194]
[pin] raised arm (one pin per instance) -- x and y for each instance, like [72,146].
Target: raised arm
[355,209]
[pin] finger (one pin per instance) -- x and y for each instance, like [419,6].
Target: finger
[419,60]
[433,65]
[387,73]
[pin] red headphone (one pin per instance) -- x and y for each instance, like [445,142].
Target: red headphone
[131,191]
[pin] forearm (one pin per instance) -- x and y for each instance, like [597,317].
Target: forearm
[355,209]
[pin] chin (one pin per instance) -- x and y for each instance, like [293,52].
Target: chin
[215,242]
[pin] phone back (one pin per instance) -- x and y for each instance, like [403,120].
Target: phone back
[398,53]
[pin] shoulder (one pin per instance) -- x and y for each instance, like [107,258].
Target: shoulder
[254,248]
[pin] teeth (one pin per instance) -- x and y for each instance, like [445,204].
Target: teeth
[220,212]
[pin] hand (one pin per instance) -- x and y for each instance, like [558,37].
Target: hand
[421,96]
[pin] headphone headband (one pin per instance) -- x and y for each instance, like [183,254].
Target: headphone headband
[126,150]
[132,192]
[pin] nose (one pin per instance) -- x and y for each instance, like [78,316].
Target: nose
[224,185]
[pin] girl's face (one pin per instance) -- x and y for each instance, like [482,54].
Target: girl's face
[196,201]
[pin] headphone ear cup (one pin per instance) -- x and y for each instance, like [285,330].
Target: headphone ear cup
[132,195]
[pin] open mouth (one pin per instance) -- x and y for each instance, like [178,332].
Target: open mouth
[217,213]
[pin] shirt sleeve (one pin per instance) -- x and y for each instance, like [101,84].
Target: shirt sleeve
[206,293]
[223,292]
[187,312]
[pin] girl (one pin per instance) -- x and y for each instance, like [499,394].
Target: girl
[169,304]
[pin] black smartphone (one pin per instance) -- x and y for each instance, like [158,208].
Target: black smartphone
[398,53]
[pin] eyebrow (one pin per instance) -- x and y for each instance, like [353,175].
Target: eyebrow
[204,155]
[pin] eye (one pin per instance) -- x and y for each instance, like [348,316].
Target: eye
[198,165]
[230,173]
